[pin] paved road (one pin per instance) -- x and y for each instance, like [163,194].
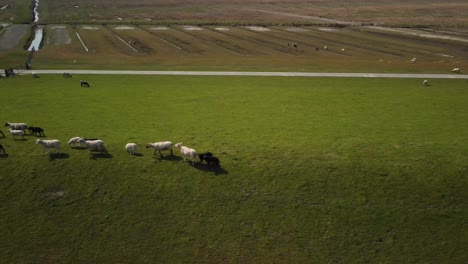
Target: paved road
[229,73]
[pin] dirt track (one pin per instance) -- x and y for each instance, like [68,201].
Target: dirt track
[272,74]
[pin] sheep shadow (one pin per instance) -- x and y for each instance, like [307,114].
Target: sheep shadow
[217,170]
[57,156]
[37,135]
[167,158]
[3,155]
[78,147]
[101,155]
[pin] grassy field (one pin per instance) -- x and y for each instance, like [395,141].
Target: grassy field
[15,11]
[314,170]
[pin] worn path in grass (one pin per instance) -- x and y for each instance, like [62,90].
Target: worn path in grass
[226,73]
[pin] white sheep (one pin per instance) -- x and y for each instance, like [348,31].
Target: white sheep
[97,145]
[16,133]
[413,59]
[456,70]
[159,146]
[74,141]
[16,126]
[187,152]
[426,83]
[131,148]
[49,144]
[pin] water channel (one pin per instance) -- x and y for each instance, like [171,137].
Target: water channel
[39,30]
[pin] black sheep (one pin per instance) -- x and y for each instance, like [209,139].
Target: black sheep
[209,158]
[84,83]
[36,131]
[2,149]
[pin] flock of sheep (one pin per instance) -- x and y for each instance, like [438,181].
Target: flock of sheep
[18,130]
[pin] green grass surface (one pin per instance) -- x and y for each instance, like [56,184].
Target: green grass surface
[314,170]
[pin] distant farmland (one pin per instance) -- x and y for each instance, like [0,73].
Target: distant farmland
[257,12]
[247,35]
[273,48]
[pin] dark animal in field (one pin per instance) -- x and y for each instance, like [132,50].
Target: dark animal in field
[209,158]
[84,83]
[36,131]
[67,75]
[2,149]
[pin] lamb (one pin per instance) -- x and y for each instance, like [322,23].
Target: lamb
[49,144]
[131,148]
[16,133]
[159,146]
[209,158]
[187,152]
[74,140]
[16,126]
[36,131]
[456,70]
[2,149]
[425,83]
[96,145]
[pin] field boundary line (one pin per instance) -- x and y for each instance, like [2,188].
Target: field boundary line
[210,41]
[161,38]
[272,74]
[121,39]
[82,43]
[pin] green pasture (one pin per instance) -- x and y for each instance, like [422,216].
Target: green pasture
[17,11]
[313,170]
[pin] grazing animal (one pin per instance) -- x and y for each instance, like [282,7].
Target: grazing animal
[84,83]
[131,148]
[426,83]
[74,141]
[96,145]
[2,149]
[456,70]
[209,158]
[413,59]
[1,132]
[36,131]
[187,152]
[159,146]
[16,126]
[67,75]
[49,144]
[16,133]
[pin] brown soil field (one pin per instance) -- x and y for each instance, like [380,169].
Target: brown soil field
[191,47]
[384,12]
